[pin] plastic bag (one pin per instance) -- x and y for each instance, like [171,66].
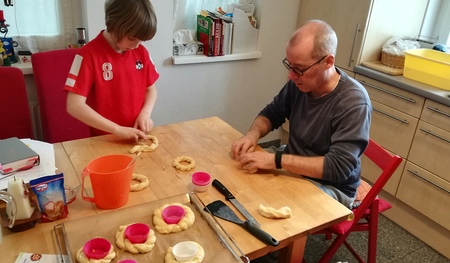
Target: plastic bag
[398,45]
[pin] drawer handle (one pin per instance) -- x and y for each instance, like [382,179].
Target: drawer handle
[391,116]
[438,111]
[435,135]
[428,181]
[350,60]
[388,92]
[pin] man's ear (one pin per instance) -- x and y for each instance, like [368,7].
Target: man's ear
[329,60]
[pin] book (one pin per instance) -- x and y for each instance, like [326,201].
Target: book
[217,33]
[205,34]
[15,155]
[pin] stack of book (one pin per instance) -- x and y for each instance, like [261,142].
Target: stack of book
[215,31]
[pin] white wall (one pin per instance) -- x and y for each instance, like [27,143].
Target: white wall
[235,90]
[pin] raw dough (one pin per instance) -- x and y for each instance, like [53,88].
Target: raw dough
[143,182]
[170,258]
[82,258]
[177,163]
[163,228]
[145,147]
[123,243]
[269,212]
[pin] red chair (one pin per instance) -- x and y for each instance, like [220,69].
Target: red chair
[50,73]
[366,214]
[15,115]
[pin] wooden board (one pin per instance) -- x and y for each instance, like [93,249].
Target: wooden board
[377,65]
[107,224]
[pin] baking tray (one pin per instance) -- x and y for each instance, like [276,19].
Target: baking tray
[206,230]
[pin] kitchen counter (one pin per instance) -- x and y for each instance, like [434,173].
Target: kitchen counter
[427,91]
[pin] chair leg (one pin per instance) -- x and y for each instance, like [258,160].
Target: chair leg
[354,253]
[338,241]
[373,233]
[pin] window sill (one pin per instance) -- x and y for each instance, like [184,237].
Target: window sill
[192,59]
[26,68]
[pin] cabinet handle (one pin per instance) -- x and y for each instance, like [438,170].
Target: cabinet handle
[350,60]
[435,135]
[388,92]
[438,111]
[428,181]
[391,116]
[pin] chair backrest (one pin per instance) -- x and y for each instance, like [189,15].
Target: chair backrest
[51,69]
[15,118]
[388,164]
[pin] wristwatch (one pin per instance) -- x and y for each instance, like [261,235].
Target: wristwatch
[278,155]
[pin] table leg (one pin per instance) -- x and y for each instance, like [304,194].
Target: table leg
[294,252]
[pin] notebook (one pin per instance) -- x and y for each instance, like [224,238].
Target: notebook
[16,155]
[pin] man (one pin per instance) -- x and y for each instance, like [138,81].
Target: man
[329,117]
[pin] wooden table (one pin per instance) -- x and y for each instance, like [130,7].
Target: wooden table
[208,141]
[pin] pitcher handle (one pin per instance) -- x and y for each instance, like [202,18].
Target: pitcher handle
[11,208]
[84,174]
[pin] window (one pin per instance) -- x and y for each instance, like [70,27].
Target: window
[39,25]
[436,23]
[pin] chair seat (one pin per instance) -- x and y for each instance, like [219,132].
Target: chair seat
[343,227]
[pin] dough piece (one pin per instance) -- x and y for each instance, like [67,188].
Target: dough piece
[269,212]
[144,147]
[170,258]
[123,243]
[177,163]
[163,228]
[143,182]
[82,258]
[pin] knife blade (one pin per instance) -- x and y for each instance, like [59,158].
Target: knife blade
[230,197]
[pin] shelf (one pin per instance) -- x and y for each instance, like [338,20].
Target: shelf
[192,59]
[26,68]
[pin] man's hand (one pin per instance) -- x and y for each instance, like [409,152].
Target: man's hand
[256,160]
[243,145]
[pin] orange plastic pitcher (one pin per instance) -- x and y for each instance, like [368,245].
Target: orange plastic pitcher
[110,180]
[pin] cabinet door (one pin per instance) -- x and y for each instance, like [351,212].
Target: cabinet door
[370,172]
[436,114]
[426,193]
[347,17]
[393,97]
[392,129]
[430,149]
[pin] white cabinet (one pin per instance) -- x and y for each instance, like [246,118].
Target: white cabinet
[363,26]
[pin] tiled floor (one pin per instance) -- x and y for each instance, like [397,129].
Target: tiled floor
[395,245]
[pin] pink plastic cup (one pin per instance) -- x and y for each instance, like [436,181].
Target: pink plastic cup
[128,261]
[173,214]
[201,181]
[97,248]
[137,233]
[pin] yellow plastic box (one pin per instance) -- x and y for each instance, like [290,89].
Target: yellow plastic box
[428,66]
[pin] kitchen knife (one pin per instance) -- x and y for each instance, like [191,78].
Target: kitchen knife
[230,197]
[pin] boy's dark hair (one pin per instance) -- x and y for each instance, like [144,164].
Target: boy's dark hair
[130,18]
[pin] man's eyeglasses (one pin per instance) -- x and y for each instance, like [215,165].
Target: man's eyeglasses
[297,70]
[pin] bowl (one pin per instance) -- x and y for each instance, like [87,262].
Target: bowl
[97,248]
[137,233]
[201,181]
[128,261]
[173,214]
[71,193]
[185,251]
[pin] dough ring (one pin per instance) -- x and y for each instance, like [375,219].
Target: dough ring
[177,163]
[144,147]
[123,243]
[170,258]
[163,228]
[82,258]
[269,212]
[143,182]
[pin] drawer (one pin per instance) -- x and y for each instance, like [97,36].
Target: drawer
[436,114]
[391,96]
[430,149]
[392,129]
[426,193]
[370,172]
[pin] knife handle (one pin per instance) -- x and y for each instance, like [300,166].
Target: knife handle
[222,189]
[260,234]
